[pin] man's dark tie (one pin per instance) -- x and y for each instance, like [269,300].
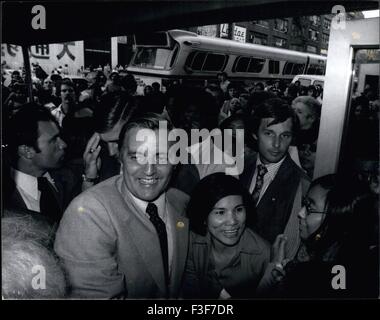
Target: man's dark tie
[48,202]
[261,171]
[152,211]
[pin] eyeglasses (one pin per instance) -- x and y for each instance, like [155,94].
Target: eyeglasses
[307,204]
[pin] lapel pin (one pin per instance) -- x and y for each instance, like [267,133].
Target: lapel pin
[180,224]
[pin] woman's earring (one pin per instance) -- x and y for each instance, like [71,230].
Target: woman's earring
[318,236]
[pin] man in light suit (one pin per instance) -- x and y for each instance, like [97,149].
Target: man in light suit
[107,239]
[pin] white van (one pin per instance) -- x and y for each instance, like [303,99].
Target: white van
[308,79]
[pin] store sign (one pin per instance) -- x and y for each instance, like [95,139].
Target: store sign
[208,31]
[224,30]
[48,56]
[239,33]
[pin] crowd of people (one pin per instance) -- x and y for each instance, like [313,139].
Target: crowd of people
[108,216]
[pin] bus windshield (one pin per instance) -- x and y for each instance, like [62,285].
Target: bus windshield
[153,58]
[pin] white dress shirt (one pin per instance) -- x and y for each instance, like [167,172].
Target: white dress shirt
[58,114]
[27,186]
[268,177]
[163,213]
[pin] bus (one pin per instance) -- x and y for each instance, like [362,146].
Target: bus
[183,56]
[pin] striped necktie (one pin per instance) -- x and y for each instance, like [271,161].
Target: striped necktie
[261,171]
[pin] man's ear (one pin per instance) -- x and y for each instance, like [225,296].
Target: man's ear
[26,152]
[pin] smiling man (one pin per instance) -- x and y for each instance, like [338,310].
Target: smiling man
[127,236]
[276,183]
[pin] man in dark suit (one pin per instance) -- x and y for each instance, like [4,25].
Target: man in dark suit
[276,183]
[127,237]
[34,154]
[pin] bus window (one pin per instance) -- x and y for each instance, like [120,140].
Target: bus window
[256,65]
[298,68]
[320,70]
[312,69]
[288,68]
[304,82]
[214,62]
[198,61]
[152,39]
[318,83]
[155,58]
[241,65]
[274,67]
[174,55]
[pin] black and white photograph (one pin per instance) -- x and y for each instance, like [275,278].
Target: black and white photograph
[190,151]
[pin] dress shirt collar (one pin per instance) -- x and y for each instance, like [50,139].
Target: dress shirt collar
[271,167]
[28,183]
[160,202]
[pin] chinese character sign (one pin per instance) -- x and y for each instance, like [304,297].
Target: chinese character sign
[48,56]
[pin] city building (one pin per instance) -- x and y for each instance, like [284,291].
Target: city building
[306,34]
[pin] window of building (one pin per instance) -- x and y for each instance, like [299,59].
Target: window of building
[315,20]
[326,24]
[313,35]
[263,23]
[281,25]
[296,47]
[274,67]
[311,49]
[296,31]
[325,38]
[280,42]
[259,38]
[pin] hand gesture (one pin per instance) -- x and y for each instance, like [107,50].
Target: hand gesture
[92,161]
[278,257]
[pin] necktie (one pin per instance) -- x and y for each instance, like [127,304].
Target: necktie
[48,202]
[261,171]
[152,211]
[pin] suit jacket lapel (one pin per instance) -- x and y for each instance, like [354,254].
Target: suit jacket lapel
[17,200]
[145,241]
[249,171]
[58,183]
[275,185]
[180,229]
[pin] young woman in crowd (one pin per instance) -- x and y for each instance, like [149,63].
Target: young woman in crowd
[226,259]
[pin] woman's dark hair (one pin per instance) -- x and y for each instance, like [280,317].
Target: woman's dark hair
[207,193]
[345,225]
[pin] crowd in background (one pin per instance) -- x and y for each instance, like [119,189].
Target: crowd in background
[90,115]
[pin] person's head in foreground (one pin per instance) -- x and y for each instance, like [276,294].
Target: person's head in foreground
[219,207]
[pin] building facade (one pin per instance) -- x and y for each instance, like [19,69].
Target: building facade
[305,34]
